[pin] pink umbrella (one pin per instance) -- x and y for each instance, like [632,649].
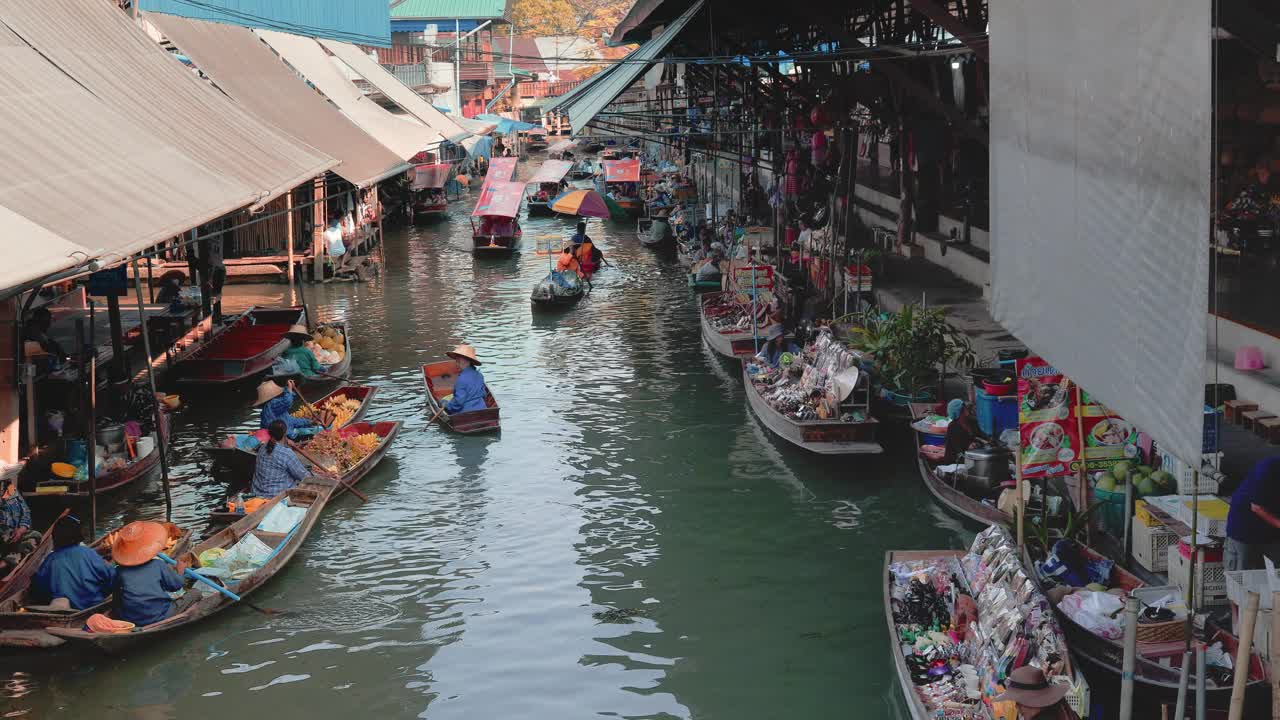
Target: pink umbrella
[586,203]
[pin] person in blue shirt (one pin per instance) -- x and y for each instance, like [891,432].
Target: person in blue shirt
[73,571]
[775,346]
[276,402]
[278,467]
[580,234]
[143,580]
[1253,522]
[468,389]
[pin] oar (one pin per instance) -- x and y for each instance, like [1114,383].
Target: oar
[314,412]
[437,415]
[188,572]
[298,449]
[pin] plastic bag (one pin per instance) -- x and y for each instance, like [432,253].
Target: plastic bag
[1092,611]
[282,518]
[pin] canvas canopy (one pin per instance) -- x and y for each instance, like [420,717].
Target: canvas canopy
[622,170]
[499,198]
[431,176]
[552,171]
[501,169]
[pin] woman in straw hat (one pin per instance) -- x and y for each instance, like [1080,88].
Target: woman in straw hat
[1036,697]
[468,390]
[300,354]
[276,402]
[143,581]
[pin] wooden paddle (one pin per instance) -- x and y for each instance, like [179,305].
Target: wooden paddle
[188,572]
[437,415]
[342,483]
[319,416]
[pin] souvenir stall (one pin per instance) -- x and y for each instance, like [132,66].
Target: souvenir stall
[964,622]
[820,382]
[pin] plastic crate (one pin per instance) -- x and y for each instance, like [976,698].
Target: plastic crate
[1185,475]
[1240,582]
[1151,546]
[995,414]
[1212,576]
[1078,696]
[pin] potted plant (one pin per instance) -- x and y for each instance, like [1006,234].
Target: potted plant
[909,347]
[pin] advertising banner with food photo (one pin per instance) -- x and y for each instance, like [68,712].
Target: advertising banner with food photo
[1108,438]
[1050,441]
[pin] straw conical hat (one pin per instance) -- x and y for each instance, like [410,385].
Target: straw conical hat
[298,331]
[465,351]
[138,542]
[267,390]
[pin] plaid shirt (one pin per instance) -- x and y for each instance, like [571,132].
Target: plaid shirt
[14,513]
[276,471]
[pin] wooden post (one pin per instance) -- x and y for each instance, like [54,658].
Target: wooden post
[377,214]
[158,413]
[1082,477]
[1021,505]
[319,220]
[1248,618]
[288,203]
[10,435]
[119,368]
[1130,656]
[93,461]
[1275,655]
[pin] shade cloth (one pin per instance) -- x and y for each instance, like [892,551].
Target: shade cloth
[501,198]
[501,169]
[627,170]
[551,171]
[1100,127]
[399,93]
[100,47]
[431,176]
[405,136]
[245,69]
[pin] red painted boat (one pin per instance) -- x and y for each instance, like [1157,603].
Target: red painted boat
[239,351]
[439,378]
[498,207]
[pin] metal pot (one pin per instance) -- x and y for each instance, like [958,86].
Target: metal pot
[111,435]
[987,469]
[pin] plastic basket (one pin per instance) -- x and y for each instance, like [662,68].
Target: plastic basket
[1241,582]
[1111,509]
[995,414]
[1212,576]
[1078,696]
[1151,545]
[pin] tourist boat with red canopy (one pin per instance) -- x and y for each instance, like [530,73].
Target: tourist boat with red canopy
[498,229]
[548,181]
[239,351]
[439,378]
[500,169]
[622,183]
[429,200]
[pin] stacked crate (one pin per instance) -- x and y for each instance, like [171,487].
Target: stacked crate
[1209,571]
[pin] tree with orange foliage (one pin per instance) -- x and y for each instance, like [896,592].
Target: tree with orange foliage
[588,19]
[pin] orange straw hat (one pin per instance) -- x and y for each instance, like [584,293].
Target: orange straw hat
[138,542]
[298,331]
[267,390]
[464,351]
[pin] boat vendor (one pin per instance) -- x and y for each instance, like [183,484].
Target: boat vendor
[1035,697]
[468,389]
[72,571]
[17,539]
[775,347]
[143,580]
[660,230]
[589,258]
[278,467]
[276,402]
[1253,522]
[710,268]
[37,329]
[300,354]
[961,432]
[568,262]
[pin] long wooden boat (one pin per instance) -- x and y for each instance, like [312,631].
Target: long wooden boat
[338,370]
[201,602]
[67,492]
[439,378]
[386,432]
[946,493]
[825,437]
[492,244]
[543,297]
[17,579]
[1155,679]
[24,625]
[739,344]
[915,707]
[242,350]
[241,462]
[426,209]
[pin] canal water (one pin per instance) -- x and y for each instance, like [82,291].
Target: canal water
[478,581]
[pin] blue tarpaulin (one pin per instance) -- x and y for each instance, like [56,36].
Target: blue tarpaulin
[506,125]
[363,22]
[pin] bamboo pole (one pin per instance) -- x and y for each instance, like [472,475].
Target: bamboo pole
[1130,655]
[1248,620]
[158,414]
[1275,655]
[1201,695]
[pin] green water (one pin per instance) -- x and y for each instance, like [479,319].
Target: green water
[629,474]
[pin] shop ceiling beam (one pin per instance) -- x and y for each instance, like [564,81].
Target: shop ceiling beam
[974,37]
[1250,27]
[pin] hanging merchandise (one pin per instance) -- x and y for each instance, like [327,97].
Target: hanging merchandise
[810,384]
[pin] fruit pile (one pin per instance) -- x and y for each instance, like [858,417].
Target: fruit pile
[1146,481]
[328,345]
[341,454]
[337,410]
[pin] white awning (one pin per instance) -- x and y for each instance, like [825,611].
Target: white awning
[246,69]
[399,93]
[405,136]
[102,50]
[1100,127]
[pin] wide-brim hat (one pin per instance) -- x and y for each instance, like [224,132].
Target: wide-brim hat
[267,390]
[464,351]
[1028,686]
[298,331]
[139,542]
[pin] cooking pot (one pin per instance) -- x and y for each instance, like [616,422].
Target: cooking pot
[987,468]
[111,435]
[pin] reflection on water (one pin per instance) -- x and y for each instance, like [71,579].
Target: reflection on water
[628,475]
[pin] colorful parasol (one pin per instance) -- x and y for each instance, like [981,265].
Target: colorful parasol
[586,203]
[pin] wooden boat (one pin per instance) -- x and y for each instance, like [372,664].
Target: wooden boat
[338,370]
[199,604]
[24,626]
[426,191]
[825,437]
[739,344]
[644,227]
[915,707]
[543,297]
[241,462]
[1155,678]
[946,493]
[498,207]
[386,431]
[623,173]
[239,351]
[439,378]
[547,179]
[68,492]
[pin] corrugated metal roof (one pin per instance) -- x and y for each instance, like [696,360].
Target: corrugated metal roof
[450,9]
[245,69]
[366,22]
